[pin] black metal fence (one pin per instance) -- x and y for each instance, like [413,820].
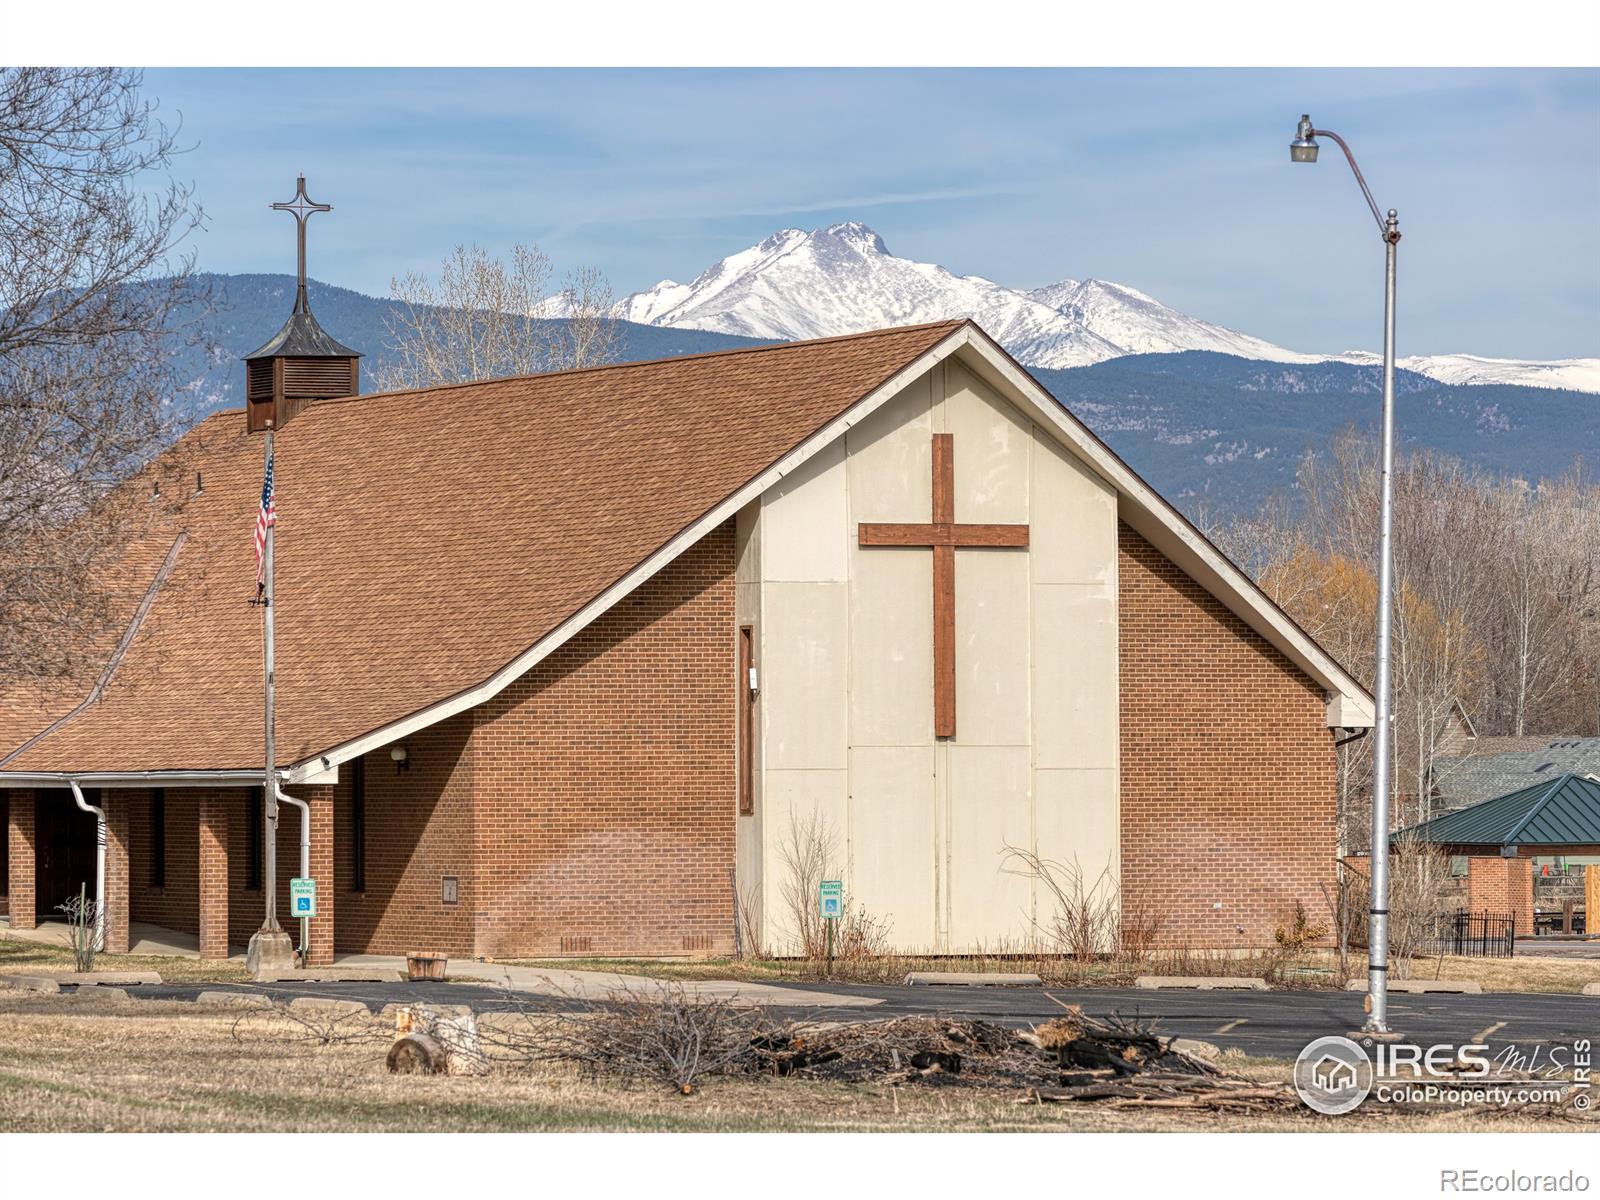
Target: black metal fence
[1475,935]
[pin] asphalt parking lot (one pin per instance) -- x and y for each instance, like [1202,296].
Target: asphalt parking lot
[1269,1024]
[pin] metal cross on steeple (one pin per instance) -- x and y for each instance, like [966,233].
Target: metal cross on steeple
[302,206]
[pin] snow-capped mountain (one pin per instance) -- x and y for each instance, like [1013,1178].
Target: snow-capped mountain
[843,279]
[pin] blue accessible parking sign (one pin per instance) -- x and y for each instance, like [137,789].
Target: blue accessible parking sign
[303,897]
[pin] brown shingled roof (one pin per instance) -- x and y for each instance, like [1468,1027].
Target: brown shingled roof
[427,538]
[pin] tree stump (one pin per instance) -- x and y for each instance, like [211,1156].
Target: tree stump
[416,1054]
[452,1028]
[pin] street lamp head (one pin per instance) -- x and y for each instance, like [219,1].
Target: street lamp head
[1304,147]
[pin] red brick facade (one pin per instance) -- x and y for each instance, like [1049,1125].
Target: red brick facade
[1228,773]
[590,807]
[605,779]
[20,858]
[1502,886]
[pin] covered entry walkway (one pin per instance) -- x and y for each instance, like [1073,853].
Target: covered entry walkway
[183,865]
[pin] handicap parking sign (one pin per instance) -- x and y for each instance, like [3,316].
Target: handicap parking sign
[303,897]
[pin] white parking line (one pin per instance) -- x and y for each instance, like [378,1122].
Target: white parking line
[1230,1025]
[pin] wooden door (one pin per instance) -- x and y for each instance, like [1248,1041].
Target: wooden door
[65,851]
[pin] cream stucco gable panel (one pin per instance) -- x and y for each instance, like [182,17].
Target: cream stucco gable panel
[992,647]
[991,451]
[803,809]
[893,818]
[890,459]
[891,649]
[1075,696]
[1074,518]
[803,515]
[804,673]
[989,906]
[1077,825]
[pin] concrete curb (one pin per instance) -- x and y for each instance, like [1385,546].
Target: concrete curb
[322,1006]
[105,978]
[233,1000]
[1203,983]
[971,979]
[1418,987]
[29,983]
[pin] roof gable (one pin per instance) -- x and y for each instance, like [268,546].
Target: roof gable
[530,506]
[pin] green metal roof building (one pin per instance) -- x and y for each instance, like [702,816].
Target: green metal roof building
[1558,816]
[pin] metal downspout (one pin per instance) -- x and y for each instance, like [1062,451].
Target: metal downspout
[305,857]
[99,863]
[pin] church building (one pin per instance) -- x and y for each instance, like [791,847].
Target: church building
[567,664]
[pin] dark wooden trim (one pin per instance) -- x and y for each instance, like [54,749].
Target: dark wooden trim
[747,723]
[944,479]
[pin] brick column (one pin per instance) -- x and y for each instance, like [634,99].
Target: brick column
[1519,891]
[22,859]
[116,805]
[212,918]
[320,952]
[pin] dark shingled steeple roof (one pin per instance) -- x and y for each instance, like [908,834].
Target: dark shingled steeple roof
[302,337]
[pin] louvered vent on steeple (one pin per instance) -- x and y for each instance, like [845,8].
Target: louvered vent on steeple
[302,362]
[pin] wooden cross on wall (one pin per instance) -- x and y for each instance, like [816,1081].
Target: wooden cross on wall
[944,537]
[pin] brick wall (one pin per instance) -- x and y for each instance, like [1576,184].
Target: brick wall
[604,779]
[419,830]
[19,851]
[5,851]
[1501,887]
[1228,773]
[176,904]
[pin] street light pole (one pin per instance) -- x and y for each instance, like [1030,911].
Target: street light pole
[1304,149]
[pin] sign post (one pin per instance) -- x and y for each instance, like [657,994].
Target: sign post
[303,904]
[830,903]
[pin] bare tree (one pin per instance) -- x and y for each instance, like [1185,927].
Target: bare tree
[486,317]
[90,298]
[1497,599]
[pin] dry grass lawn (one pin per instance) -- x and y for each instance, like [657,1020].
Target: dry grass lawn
[105,1064]
[18,957]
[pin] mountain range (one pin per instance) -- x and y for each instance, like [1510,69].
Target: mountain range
[843,279]
[1202,412]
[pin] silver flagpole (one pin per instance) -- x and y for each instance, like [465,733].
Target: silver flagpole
[269,789]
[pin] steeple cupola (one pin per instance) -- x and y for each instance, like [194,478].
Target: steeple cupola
[302,361]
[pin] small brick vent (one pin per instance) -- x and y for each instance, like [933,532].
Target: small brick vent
[698,942]
[576,945]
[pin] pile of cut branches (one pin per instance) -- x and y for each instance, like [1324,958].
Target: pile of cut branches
[669,1034]
[1075,1057]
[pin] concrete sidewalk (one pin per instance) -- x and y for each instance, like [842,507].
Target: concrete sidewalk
[602,985]
[143,938]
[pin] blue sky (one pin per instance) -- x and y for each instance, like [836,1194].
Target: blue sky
[1176,182]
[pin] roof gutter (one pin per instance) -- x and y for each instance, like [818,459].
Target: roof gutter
[33,779]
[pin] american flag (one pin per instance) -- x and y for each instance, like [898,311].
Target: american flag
[266,518]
